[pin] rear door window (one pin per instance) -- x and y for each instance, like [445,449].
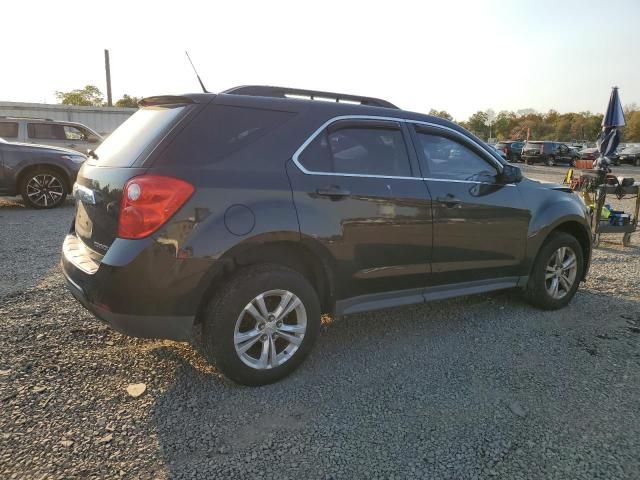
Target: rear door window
[8,129]
[46,131]
[372,148]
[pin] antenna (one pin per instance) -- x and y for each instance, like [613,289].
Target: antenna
[196,72]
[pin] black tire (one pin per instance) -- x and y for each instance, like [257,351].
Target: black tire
[536,291]
[43,188]
[572,163]
[550,161]
[636,162]
[226,307]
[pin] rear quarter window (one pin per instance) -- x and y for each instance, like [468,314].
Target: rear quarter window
[219,131]
[8,129]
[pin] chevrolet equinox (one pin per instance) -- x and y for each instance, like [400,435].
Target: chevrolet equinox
[254,211]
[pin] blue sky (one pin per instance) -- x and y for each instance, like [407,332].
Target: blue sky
[461,56]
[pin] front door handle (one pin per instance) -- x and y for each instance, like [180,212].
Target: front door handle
[333,192]
[450,201]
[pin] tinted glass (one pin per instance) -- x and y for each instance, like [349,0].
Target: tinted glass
[362,151]
[123,147]
[8,129]
[46,131]
[221,130]
[446,158]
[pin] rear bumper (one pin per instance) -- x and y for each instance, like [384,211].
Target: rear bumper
[126,297]
[143,326]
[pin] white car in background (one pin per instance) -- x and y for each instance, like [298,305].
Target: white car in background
[55,133]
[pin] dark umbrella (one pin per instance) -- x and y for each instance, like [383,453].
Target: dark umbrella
[610,136]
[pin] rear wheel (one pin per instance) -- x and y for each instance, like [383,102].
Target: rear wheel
[261,324]
[550,161]
[43,188]
[556,273]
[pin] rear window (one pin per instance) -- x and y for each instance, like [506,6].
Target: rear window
[532,145]
[8,129]
[219,131]
[138,133]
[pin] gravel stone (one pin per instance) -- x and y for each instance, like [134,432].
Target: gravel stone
[412,392]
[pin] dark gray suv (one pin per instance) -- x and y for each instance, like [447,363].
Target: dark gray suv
[251,213]
[43,175]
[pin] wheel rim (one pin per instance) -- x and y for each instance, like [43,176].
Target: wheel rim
[550,162]
[45,190]
[270,329]
[561,271]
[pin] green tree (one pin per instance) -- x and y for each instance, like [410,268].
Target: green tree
[503,124]
[128,101]
[441,114]
[477,124]
[632,130]
[89,96]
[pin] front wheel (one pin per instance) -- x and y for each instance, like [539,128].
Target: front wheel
[556,272]
[261,324]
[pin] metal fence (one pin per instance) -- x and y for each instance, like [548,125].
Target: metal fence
[103,120]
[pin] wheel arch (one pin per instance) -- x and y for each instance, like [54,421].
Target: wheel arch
[576,229]
[40,165]
[282,250]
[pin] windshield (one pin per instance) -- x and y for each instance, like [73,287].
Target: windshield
[145,127]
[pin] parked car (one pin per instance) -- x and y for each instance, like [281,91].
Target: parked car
[549,153]
[55,133]
[42,175]
[290,208]
[512,149]
[500,151]
[593,153]
[630,154]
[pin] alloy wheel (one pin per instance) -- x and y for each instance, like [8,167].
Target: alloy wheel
[560,273]
[45,190]
[270,329]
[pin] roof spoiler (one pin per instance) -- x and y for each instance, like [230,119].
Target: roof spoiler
[164,100]
[298,93]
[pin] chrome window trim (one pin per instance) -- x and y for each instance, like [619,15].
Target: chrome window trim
[317,132]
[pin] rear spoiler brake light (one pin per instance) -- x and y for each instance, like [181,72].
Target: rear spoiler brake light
[164,100]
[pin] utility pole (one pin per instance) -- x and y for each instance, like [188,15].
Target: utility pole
[107,69]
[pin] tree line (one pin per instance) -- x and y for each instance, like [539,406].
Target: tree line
[564,127]
[91,96]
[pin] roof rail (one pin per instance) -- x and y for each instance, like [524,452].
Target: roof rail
[298,93]
[17,117]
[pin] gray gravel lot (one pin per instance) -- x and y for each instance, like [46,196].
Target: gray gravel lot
[477,387]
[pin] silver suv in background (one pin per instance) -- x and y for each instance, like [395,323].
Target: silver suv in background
[55,133]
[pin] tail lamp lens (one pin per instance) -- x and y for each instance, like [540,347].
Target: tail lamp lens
[148,202]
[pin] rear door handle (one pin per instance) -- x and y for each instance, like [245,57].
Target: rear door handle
[333,192]
[450,201]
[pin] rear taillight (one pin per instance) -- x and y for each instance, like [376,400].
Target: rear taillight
[542,148]
[148,202]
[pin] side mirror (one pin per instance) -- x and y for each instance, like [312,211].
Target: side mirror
[511,174]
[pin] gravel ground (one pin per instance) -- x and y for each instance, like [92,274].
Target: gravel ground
[477,387]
